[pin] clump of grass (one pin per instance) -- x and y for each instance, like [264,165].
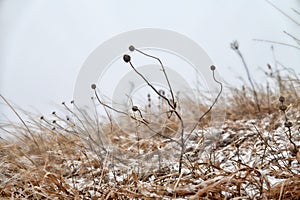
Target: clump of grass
[250,158]
[171,108]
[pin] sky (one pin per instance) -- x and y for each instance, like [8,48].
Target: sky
[43,44]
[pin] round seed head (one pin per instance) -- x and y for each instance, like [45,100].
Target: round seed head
[93,86]
[53,113]
[72,101]
[42,117]
[135,108]
[283,107]
[281,99]
[212,68]
[131,48]
[126,58]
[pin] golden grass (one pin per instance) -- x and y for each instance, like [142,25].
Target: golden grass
[251,157]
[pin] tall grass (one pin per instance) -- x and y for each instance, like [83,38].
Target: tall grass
[249,157]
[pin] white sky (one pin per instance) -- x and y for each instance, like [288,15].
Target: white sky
[43,44]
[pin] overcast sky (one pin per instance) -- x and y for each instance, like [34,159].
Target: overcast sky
[43,44]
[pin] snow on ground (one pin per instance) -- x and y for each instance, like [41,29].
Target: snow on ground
[251,159]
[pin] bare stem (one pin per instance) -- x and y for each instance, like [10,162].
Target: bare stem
[249,77]
[210,108]
[164,71]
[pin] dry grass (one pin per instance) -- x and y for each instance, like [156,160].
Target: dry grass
[249,157]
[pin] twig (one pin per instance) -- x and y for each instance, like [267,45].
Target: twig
[273,5]
[296,11]
[163,69]
[23,122]
[280,43]
[212,105]
[235,47]
[151,86]
[144,122]
[172,105]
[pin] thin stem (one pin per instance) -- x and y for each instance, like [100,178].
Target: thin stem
[274,42]
[164,71]
[20,118]
[210,108]
[296,11]
[249,78]
[273,5]
[152,87]
[293,37]
[171,104]
[77,117]
[134,118]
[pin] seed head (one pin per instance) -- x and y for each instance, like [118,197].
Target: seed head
[53,113]
[212,68]
[131,48]
[281,99]
[234,45]
[93,86]
[126,58]
[72,101]
[134,108]
[283,107]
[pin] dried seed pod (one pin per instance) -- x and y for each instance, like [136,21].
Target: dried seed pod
[93,86]
[283,107]
[134,108]
[212,67]
[281,99]
[126,58]
[234,45]
[131,48]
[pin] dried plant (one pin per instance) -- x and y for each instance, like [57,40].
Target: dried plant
[171,109]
